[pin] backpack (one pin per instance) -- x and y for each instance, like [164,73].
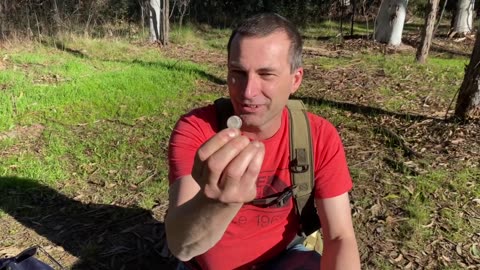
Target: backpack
[26,261]
[301,164]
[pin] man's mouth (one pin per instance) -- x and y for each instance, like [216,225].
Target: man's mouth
[251,108]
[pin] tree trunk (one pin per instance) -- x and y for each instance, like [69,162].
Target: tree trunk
[468,101]
[389,22]
[180,21]
[427,33]
[165,22]
[142,15]
[353,16]
[463,17]
[56,17]
[2,21]
[154,12]
[441,16]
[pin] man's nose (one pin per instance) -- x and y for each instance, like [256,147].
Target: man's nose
[252,87]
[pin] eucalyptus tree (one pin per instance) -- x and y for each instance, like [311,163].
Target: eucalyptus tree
[389,22]
[427,33]
[159,21]
[462,24]
[468,101]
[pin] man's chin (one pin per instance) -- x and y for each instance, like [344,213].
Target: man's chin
[250,122]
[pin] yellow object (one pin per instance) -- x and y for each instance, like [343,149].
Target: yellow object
[314,242]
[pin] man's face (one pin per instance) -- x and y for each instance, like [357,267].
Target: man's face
[260,81]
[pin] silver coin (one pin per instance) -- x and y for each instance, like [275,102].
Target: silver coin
[234,122]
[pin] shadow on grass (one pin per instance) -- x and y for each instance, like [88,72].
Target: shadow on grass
[367,110]
[435,48]
[101,236]
[57,44]
[177,66]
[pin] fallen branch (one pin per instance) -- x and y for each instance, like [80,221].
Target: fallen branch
[397,140]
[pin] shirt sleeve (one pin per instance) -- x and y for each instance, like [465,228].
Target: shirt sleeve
[190,132]
[332,177]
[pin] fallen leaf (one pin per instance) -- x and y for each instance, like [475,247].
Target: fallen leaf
[475,251]
[410,189]
[459,249]
[399,258]
[390,220]
[457,141]
[375,209]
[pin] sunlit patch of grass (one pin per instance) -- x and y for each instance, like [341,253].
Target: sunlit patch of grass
[78,90]
[107,113]
[454,189]
[381,263]
[186,35]
[44,168]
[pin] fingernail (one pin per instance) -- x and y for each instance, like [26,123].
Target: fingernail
[232,132]
[257,144]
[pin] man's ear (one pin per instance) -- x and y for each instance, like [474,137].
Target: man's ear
[297,79]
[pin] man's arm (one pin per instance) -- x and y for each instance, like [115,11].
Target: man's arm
[203,204]
[194,222]
[340,249]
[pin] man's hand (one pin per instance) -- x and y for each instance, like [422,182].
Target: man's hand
[226,167]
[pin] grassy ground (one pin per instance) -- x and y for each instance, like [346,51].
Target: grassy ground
[84,127]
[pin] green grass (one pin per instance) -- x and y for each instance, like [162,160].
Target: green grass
[452,189]
[107,115]
[203,37]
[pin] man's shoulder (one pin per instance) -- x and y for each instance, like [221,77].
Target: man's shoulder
[205,110]
[205,113]
[201,119]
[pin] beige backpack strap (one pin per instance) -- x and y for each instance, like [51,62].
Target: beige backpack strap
[301,161]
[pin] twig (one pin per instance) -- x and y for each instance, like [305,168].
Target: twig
[449,105]
[397,139]
[150,177]
[50,257]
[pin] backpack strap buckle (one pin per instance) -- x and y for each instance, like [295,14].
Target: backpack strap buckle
[299,163]
[285,196]
[279,200]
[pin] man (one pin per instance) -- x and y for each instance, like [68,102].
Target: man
[214,175]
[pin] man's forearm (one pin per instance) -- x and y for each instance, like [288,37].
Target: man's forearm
[340,254]
[197,225]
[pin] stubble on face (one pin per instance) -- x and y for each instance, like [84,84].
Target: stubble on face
[260,81]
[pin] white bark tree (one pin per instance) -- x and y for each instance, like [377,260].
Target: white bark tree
[463,17]
[154,12]
[159,23]
[389,22]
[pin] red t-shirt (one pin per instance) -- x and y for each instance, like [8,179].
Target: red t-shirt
[258,234]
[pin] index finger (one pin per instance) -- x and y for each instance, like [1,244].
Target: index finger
[216,142]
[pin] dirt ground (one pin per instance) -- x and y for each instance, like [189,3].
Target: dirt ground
[133,238]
